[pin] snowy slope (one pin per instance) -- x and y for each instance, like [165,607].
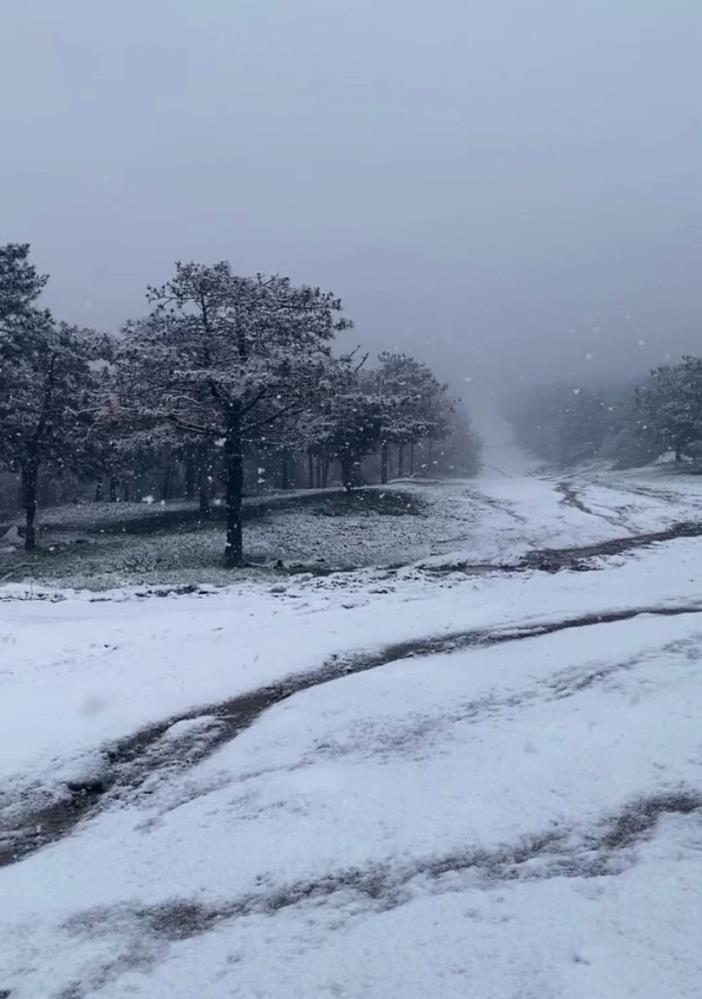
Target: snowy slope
[511,810]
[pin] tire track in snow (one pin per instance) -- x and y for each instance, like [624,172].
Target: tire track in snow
[147,931]
[555,559]
[572,498]
[578,558]
[166,748]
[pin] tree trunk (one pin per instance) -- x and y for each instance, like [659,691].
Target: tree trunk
[411,468]
[125,491]
[310,470]
[204,497]
[285,471]
[44,494]
[30,478]
[384,456]
[400,460]
[98,491]
[114,483]
[678,452]
[167,479]
[325,472]
[203,488]
[190,475]
[346,462]
[234,467]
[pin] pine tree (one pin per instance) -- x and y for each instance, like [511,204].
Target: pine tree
[414,405]
[48,383]
[224,358]
[671,403]
[461,451]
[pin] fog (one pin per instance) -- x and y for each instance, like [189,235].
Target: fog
[505,188]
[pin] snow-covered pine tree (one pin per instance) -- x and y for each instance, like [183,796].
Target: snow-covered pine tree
[350,420]
[462,448]
[671,402]
[562,422]
[415,405]
[48,382]
[224,358]
[20,287]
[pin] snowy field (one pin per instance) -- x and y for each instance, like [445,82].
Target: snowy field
[455,776]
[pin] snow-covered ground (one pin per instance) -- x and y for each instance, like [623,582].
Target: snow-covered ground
[381,783]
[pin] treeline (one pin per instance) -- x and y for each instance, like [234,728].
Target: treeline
[227,384]
[630,426]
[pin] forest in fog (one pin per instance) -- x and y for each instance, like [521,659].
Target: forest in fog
[227,385]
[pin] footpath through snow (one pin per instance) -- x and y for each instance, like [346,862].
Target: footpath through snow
[412,783]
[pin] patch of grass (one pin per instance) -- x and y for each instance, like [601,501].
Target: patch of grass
[184,518]
[389,503]
[127,545]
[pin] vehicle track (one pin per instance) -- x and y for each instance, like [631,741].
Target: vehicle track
[146,931]
[155,753]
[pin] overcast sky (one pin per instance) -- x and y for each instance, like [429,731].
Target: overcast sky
[509,185]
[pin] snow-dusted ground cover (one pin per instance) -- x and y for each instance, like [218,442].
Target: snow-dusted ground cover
[507,804]
[102,546]
[408,523]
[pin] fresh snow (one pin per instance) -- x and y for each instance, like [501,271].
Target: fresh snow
[509,821]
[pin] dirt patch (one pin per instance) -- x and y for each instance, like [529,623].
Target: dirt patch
[642,815]
[50,820]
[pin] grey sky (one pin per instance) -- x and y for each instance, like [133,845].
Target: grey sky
[476,179]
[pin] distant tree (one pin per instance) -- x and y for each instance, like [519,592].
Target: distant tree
[584,426]
[224,358]
[199,461]
[671,404]
[630,441]
[354,421]
[461,450]
[341,424]
[20,287]
[562,423]
[414,405]
[631,446]
[48,383]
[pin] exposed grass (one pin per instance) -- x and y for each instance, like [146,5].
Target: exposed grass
[110,545]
